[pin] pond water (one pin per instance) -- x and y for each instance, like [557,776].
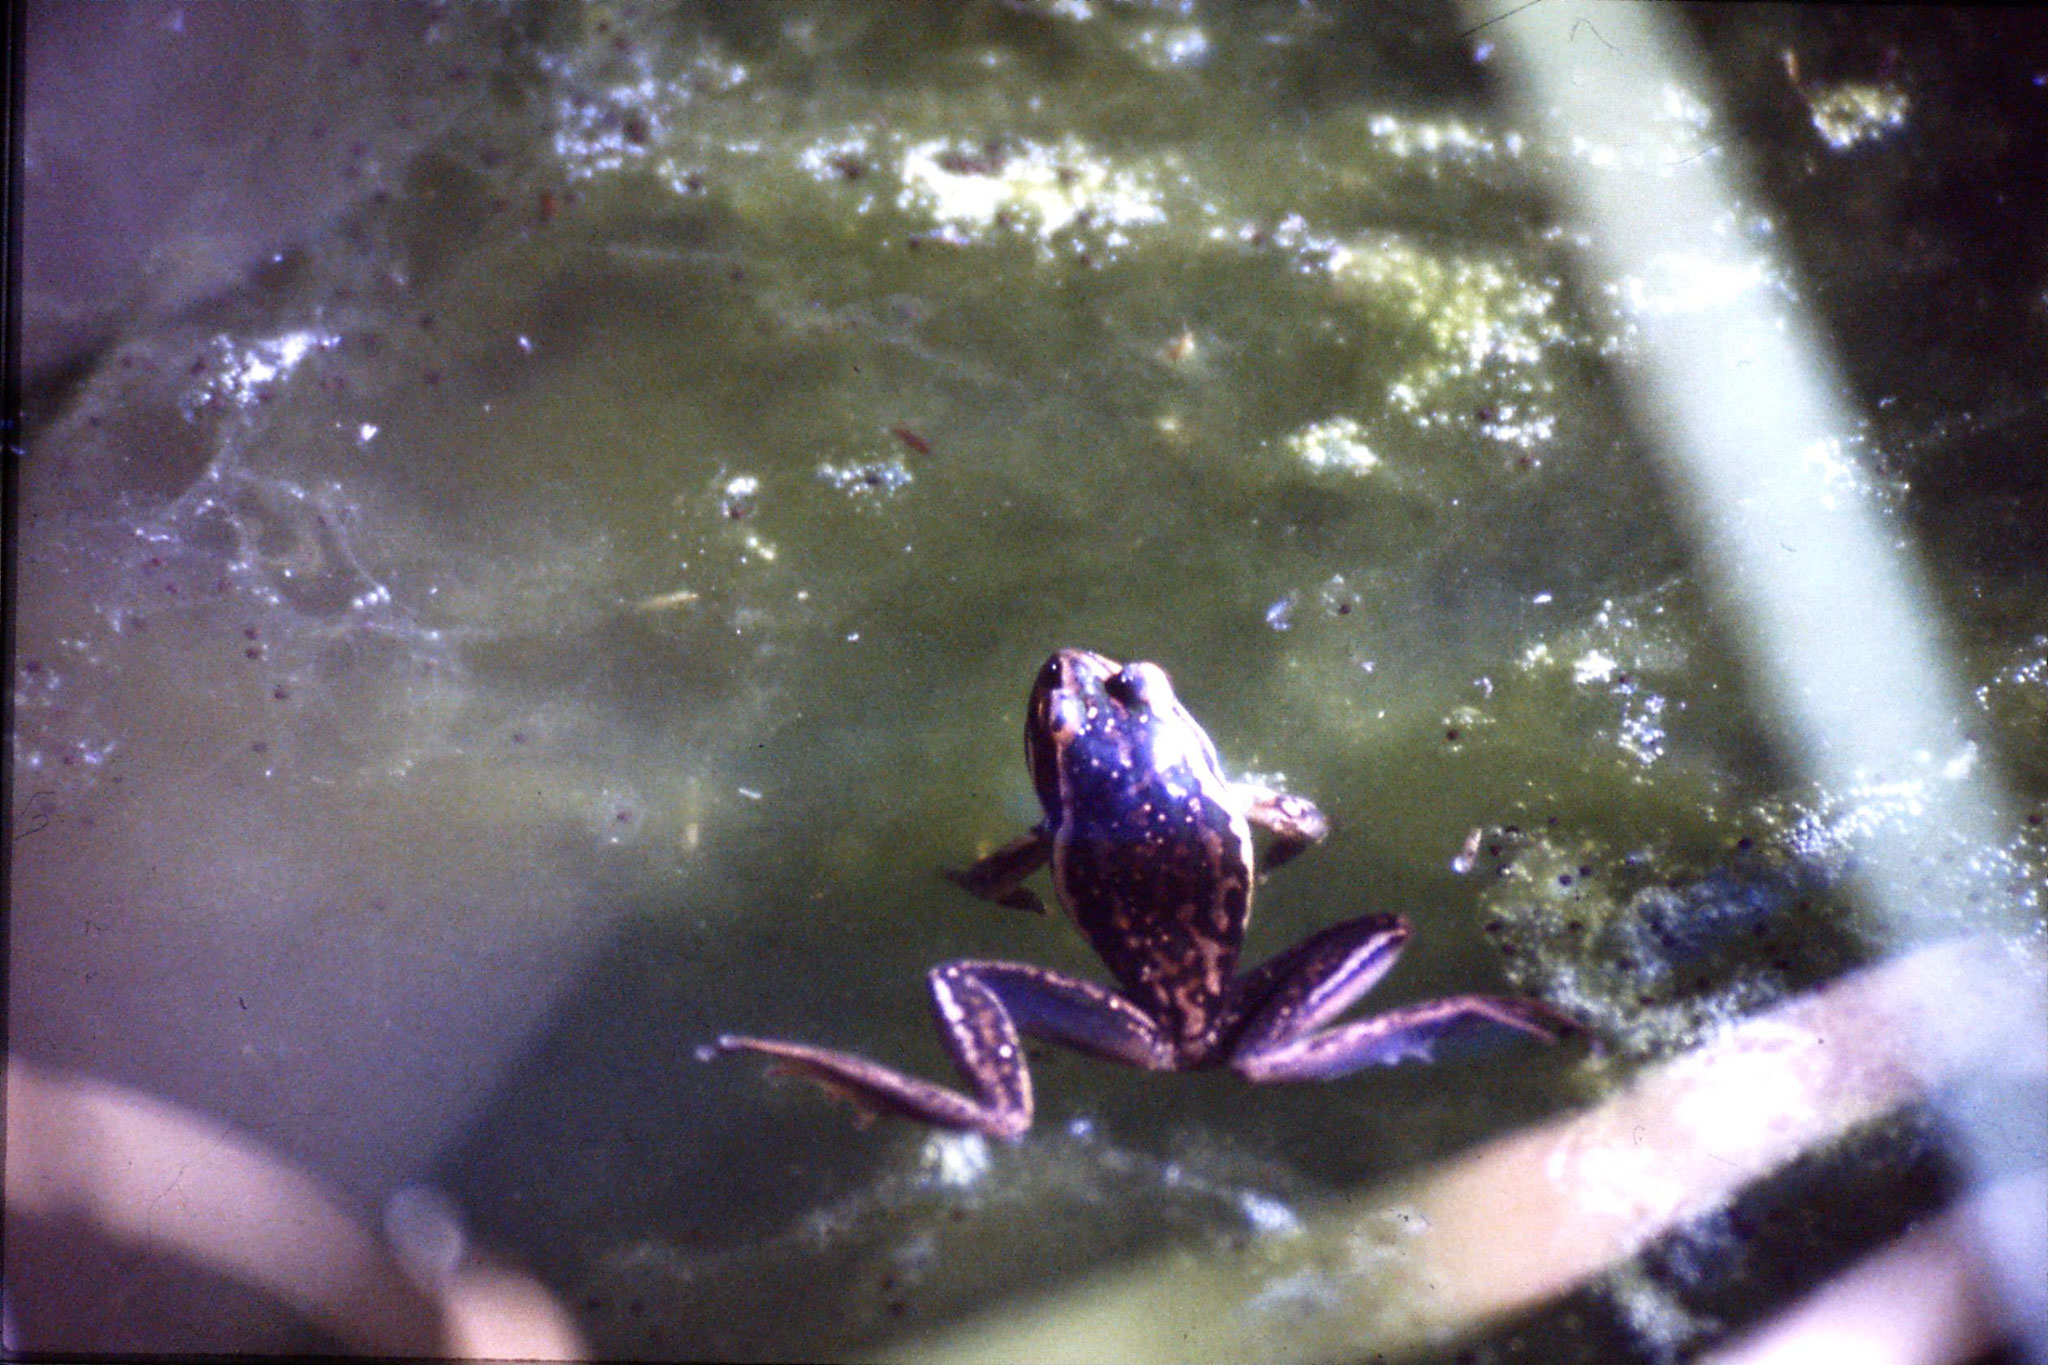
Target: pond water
[577,598]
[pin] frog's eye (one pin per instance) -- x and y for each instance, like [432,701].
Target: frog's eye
[1143,686]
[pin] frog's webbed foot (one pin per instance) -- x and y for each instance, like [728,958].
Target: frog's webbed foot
[1295,822]
[998,877]
[1291,999]
[981,1009]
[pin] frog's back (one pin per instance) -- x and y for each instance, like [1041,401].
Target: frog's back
[1154,868]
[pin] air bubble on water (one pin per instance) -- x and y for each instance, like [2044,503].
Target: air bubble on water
[955,1160]
[619,816]
[1268,1216]
[740,496]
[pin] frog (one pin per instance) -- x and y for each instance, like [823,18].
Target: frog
[1150,852]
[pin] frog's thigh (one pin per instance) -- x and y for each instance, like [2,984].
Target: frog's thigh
[1074,1013]
[1299,990]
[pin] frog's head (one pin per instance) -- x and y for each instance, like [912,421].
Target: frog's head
[1083,701]
[1070,692]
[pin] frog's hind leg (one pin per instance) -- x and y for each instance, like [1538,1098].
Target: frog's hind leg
[981,1008]
[1290,1000]
[978,1032]
[1077,1014]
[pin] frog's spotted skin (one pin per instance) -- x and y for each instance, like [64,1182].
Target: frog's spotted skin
[1151,853]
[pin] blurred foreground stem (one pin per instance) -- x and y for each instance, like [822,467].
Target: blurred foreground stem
[1530,1216]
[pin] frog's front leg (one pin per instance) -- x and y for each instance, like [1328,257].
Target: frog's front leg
[1289,1004]
[998,877]
[981,1008]
[1295,822]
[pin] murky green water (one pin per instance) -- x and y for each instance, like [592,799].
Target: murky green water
[580,603]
